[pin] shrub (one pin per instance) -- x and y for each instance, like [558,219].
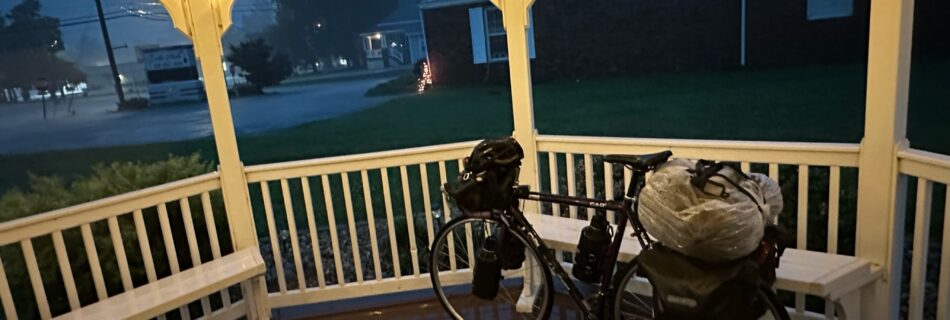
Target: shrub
[46,193]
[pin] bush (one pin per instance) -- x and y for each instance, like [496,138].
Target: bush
[46,193]
[260,65]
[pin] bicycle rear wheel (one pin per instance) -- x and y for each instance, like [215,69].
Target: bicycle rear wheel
[634,298]
[451,263]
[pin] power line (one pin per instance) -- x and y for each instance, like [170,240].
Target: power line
[110,16]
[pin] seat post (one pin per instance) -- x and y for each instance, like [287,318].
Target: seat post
[633,188]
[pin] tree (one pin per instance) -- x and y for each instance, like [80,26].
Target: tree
[307,30]
[29,43]
[260,65]
[30,30]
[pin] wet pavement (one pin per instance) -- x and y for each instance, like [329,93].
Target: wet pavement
[95,123]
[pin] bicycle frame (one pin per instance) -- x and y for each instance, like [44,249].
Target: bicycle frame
[627,207]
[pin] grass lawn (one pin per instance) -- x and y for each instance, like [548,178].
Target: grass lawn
[814,103]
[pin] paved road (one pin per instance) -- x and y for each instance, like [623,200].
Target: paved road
[96,124]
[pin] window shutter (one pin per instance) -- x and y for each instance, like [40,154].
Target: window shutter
[476,21]
[530,35]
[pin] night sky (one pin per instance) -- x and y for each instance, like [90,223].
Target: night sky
[84,40]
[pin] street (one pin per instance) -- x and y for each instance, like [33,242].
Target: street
[97,124]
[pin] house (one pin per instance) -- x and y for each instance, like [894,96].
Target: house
[397,39]
[571,38]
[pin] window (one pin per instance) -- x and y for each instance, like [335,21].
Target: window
[489,40]
[827,9]
[495,30]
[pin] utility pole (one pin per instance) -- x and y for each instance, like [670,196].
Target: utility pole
[115,69]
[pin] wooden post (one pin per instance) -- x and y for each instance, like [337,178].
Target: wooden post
[881,190]
[515,16]
[204,22]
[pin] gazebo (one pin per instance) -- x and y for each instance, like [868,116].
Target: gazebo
[277,206]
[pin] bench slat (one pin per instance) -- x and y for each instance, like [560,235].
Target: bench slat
[158,297]
[809,272]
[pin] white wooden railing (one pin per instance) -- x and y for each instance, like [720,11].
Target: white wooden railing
[105,223]
[571,160]
[360,225]
[321,185]
[928,168]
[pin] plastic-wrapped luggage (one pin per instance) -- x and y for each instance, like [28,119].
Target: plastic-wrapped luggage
[722,224]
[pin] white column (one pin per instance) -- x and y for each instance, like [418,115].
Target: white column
[204,22]
[515,14]
[880,189]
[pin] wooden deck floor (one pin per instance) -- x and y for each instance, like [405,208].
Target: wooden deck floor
[431,309]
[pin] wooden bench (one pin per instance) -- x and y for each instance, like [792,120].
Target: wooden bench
[835,277]
[157,298]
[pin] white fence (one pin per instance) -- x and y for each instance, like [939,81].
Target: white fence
[360,225]
[105,245]
[381,204]
[928,168]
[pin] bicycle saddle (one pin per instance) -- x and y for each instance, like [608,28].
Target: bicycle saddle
[640,161]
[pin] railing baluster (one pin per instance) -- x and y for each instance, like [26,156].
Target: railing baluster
[292,229]
[272,232]
[446,216]
[208,213]
[190,235]
[314,236]
[331,220]
[354,240]
[469,242]
[142,234]
[170,250]
[745,166]
[193,246]
[627,173]
[552,169]
[589,181]
[834,192]
[387,199]
[92,254]
[410,224]
[36,280]
[427,202]
[371,222]
[943,287]
[918,265]
[802,238]
[62,257]
[119,247]
[609,187]
[773,171]
[571,188]
[9,308]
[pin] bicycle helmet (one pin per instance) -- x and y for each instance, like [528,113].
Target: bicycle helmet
[489,175]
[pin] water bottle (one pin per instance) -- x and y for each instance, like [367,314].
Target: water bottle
[595,238]
[487,271]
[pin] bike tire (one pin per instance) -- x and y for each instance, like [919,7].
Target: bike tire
[452,292]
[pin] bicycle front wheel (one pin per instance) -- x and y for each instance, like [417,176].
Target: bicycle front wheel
[451,265]
[634,298]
